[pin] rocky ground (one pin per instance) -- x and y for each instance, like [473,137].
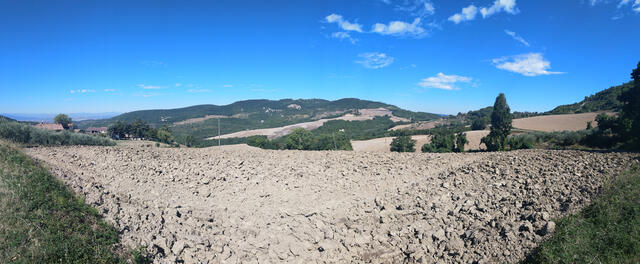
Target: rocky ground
[227,206]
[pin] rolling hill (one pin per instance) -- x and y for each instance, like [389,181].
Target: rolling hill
[605,100]
[201,121]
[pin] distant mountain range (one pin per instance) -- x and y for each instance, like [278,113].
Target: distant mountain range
[48,118]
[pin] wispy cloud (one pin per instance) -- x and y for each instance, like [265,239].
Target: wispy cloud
[342,23]
[146,95]
[150,87]
[199,91]
[417,8]
[154,63]
[399,28]
[177,84]
[530,64]
[470,12]
[516,37]
[635,6]
[375,60]
[341,35]
[109,90]
[227,86]
[443,81]
[82,91]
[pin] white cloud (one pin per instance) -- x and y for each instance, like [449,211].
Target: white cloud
[508,6]
[82,91]
[199,90]
[178,84]
[443,81]
[635,6]
[399,28]
[109,90]
[344,36]
[227,86]
[530,64]
[375,60]
[516,37]
[345,25]
[468,13]
[417,8]
[150,87]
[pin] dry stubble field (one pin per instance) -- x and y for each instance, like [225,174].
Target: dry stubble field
[222,205]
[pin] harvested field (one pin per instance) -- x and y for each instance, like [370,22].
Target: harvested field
[383,144]
[365,114]
[550,123]
[215,205]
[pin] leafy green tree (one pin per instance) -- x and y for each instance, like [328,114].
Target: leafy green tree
[630,114]
[501,119]
[461,140]
[189,141]
[403,143]
[119,130]
[589,125]
[479,124]
[441,143]
[300,139]
[63,120]
[164,136]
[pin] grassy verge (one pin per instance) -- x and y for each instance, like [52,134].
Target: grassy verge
[41,221]
[608,231]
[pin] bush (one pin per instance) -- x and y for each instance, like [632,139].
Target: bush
[403,143]
[441,142]
[524,141]
[300,139]
[25,134]
[479,124]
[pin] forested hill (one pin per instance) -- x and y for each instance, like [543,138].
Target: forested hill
[6,118]
[606,100]
[281,112]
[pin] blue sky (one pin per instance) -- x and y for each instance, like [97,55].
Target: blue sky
[428,55]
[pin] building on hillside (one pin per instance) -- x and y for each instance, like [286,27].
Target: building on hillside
[96,130]
[54,127]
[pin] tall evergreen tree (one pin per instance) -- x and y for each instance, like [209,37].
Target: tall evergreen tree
[500,125]
[630,116]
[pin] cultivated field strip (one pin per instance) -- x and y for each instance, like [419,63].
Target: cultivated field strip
[228,206]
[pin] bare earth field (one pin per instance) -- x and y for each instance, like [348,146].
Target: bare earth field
[383,144]
[365,114]
[256,206]
[550,123]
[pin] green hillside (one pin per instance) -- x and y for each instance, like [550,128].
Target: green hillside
[606,100]
[252,114]
[6,118]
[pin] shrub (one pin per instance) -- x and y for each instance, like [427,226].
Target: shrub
[524,141]
[479,124]
[461,140]
[441,142]
[403,143]
[300,139]
[25,134]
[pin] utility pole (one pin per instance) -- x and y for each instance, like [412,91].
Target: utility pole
[335,147]
[218,131]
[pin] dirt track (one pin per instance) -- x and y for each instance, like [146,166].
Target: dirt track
[228,206]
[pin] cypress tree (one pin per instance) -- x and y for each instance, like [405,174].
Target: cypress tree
[500,125]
